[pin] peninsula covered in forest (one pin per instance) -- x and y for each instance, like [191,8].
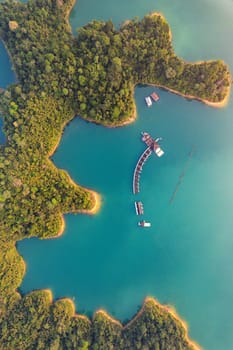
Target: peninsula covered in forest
[59,76]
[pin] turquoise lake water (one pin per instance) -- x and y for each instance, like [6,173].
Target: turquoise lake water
[185,258]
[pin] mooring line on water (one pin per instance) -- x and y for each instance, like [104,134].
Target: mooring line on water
[182,174]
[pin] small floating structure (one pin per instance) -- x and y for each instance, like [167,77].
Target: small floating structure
[158,151]
[150,142]
[136,176]
[139,208]
[154,96]
[152,145]
[148,101]
[144,223]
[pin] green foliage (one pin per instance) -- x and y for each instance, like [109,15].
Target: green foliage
[11,274]
[38,192]
[141,52]
[60,76]
[33,322]
[156,328]
[106,333]
[92,75]
[97,70]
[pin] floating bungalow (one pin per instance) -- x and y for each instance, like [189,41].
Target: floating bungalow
[148,101]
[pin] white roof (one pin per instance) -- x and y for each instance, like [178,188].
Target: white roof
[159,152]
[148,101]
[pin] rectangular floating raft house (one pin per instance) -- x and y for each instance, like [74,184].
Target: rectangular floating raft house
[153,144]
[139,208]
[158,150]
[154,96]
[144,223]
[148,101]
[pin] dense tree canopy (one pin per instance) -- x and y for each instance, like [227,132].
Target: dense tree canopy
[59,76]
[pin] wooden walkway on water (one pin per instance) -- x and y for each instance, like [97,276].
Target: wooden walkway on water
[136,175]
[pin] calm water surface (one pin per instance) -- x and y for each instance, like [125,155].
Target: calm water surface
[186,258]
[7,76]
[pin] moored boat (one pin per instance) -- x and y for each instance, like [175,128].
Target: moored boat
[154,96]
[150,142]
[136,207]
[148,101]
[139,208]
[144,223]
[158,150]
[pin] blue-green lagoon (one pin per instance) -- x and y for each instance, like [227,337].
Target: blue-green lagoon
[7,76]
[185,258]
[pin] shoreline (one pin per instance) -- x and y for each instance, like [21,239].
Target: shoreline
[132,118]
[67,15]
[61,229]
[56,144]
[94,210]
[103,312]
[97,203]
[219,104]
[128,121]
[171,311]
[12,65]
[108,317]
[95,196]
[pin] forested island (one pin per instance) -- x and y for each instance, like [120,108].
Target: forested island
[59,76]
